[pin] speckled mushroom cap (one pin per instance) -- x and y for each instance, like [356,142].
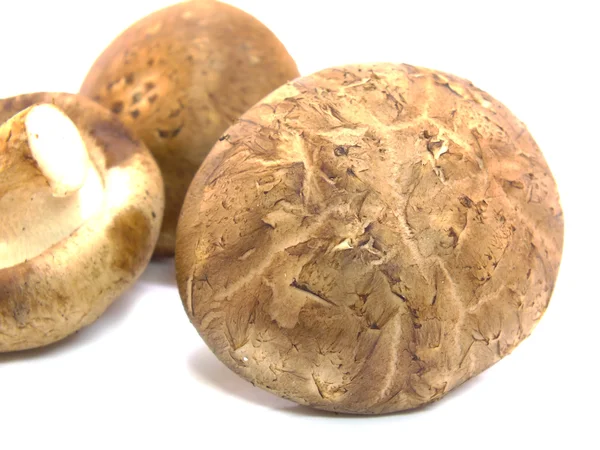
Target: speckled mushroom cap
[179,78]
[369,237]
[68,285]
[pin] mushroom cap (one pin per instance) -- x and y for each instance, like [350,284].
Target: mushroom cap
[179,77]
[369,237]
[68,286]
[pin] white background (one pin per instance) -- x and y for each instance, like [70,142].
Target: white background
[142,378]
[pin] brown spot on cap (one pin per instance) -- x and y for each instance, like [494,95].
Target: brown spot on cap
[117,107]
[131,237]
[168,134]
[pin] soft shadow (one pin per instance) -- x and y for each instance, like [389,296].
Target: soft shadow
[300,410]
[307,411]
[206,367]
[112,317]
[160,271]
[463,389]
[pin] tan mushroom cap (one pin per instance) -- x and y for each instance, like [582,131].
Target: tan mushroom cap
[180,77]
[369,237]
[81,203]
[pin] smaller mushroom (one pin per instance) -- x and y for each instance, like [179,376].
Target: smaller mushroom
[81,203]
[179,77]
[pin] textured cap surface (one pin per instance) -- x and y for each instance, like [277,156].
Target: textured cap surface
[179,77]
[369,237]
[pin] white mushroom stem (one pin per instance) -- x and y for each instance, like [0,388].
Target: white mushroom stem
[48,185]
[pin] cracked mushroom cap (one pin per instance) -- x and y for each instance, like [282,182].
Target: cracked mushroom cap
[81,203]
[180,77]
[369,237]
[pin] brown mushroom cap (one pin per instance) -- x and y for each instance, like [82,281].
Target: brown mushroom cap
[179,78]
[369,237]
[48,293]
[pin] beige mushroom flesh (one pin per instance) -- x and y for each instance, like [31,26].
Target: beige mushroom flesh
[179,77]
[81,203]
[368,238]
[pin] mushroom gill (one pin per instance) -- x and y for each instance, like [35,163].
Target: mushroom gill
[49,186]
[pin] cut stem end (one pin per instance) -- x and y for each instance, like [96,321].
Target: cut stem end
[58,149]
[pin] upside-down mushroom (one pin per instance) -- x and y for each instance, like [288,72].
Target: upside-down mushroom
[81,203]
